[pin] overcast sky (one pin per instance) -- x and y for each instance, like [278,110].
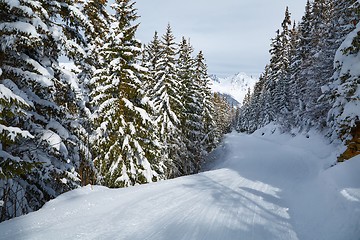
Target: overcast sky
[233,34]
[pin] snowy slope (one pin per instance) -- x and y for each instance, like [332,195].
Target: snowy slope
[236,85]
[261,186]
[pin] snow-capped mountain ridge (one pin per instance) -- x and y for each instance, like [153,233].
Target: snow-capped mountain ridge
[235,85]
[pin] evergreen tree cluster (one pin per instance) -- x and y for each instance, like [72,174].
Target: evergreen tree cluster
[127,114]
[301,87]
[184,107]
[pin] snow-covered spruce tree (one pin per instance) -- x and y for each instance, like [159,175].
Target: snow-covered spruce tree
[191,117]
[274,81]
[151,57]
[245,114]
[320,66]
[251,113]
[311,64]
[305,31]
[318,40]
[346,17]
[289,42]
[97,19]
[281,75]
[127,150]
[209,139]
[260,102]
[312,47]
[257,101]
[93,21]
[223,115]
[84,25]
[278,77]
[320,34]
[168,105]
[12,106]
[344,93]
[300,64]
[32,38]
[270,100]
[301,39]
[294,69]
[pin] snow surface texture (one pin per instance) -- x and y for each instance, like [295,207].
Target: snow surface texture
[236,85]
[260,186]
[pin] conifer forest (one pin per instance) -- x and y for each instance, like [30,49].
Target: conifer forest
[312,79]
[128,113]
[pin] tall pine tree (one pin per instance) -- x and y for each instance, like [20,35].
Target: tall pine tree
[343,93]
[168,104]
[33,36]
[128,150]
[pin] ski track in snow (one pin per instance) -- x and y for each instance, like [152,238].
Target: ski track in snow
[258,189]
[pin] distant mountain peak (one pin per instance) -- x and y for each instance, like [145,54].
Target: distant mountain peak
[214,77]
[235,85]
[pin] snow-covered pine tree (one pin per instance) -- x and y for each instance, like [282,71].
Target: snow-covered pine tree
[322,58]
[279,75]
[320,35]
[12,108]
[270,101]
[223,115]
[93,21]
[191,117]
[152,54]
[84,24]
[245,113]
[300,64]
[252,113]
[271,85]
[97,19]
[282,74]
[127,149]
[32,39]
[315,63]
[311,64]
[258,103]
[346,17]
[168,104]
[305,31]
[312,47]
[344,91]
[209,139]
[294,69]
[11,105]
[174,71]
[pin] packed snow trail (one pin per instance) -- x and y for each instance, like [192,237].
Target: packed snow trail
[260,187]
